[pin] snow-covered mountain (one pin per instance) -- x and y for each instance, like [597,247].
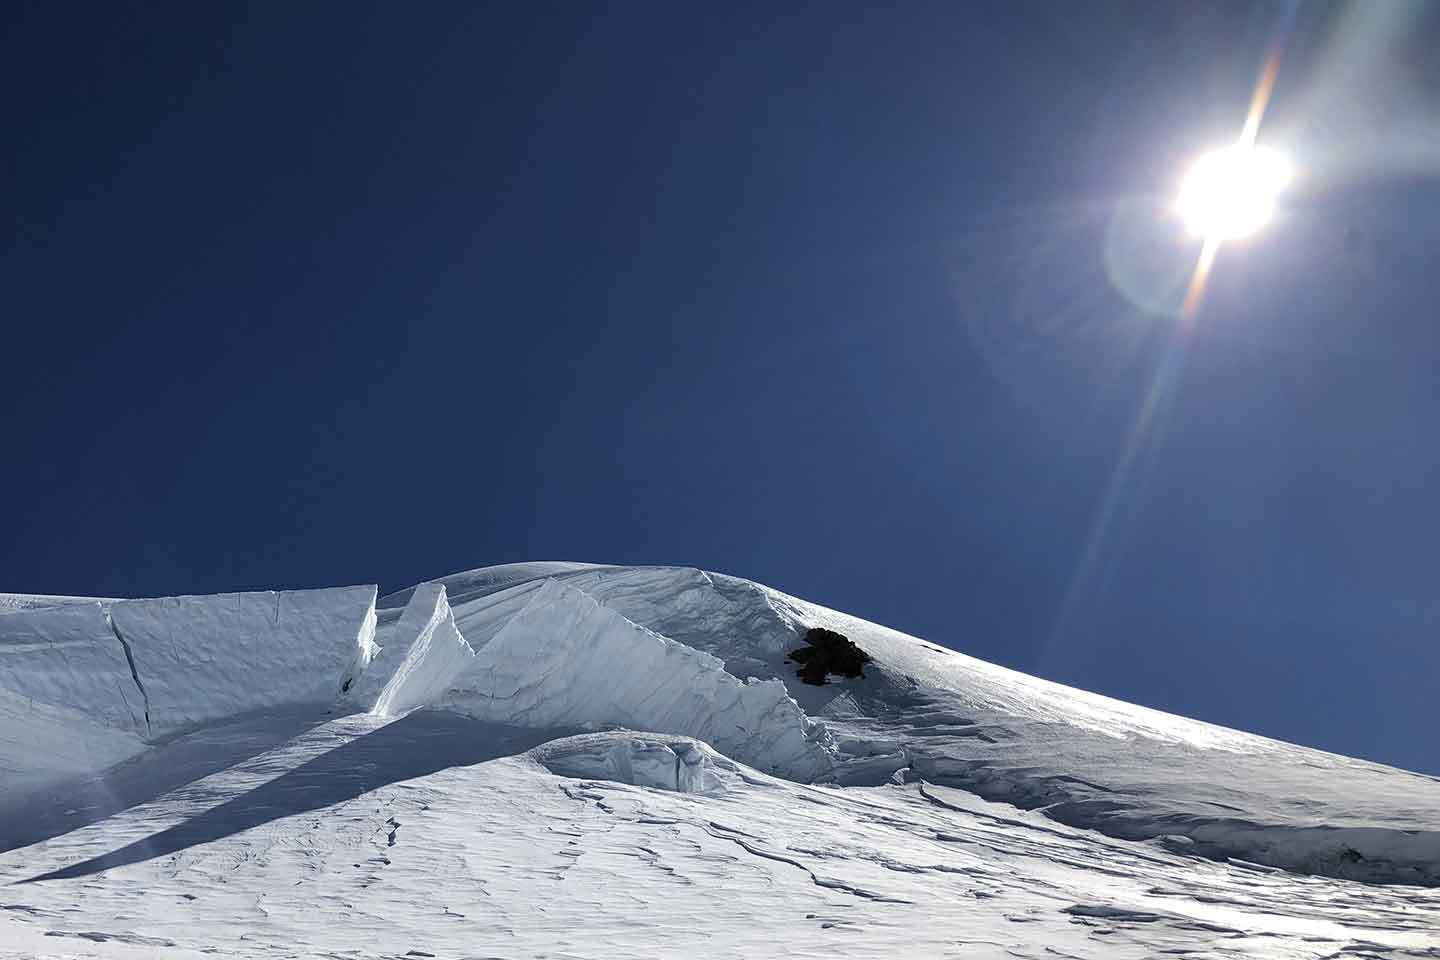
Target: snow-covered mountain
[564,759]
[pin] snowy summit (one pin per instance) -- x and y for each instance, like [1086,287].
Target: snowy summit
[568,759]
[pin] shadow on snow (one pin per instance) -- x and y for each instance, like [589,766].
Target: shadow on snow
[419,744]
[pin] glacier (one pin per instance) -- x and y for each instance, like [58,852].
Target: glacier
[621,761]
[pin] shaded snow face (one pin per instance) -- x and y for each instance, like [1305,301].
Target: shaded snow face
[200,660]
[69,703]
[88,684]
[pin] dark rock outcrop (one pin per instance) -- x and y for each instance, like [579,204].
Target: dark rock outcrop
[827,652]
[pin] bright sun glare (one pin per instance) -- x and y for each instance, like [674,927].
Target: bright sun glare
[1231,192]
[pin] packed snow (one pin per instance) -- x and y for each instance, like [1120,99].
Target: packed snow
[560,759]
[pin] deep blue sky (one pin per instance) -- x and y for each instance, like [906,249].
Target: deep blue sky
[817,294]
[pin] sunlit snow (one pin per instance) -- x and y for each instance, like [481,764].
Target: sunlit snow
[598,761]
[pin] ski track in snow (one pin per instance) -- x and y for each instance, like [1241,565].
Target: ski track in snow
[964,810]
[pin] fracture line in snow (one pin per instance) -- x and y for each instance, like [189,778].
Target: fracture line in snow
[134,673]
[724,833]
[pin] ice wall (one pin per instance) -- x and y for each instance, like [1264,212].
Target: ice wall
[419,655]
[680,764]
[566,661]
[68,658]
[204,659]
[68,701]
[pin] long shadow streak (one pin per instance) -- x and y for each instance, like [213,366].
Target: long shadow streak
[414,746]
[52,811]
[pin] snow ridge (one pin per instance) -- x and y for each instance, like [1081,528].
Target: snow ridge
[566,661]
[419,656]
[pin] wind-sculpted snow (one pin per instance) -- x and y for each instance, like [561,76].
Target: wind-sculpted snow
[67,657]
[419,655]
[1128,771]
[681,764]
[13,602]
[724,616]
[68,701]
[929,713]
[566,661]
[204,659]
[471,584]
[693,665]
[437,836]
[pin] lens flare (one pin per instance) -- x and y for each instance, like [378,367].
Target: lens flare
[1231,193]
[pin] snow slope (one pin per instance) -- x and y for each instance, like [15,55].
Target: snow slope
[620,761]
[434,835]
[926,712]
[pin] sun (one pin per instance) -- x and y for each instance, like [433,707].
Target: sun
[1232,192]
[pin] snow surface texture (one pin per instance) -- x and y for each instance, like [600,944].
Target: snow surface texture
[938,806]
[11,602]
[366,838]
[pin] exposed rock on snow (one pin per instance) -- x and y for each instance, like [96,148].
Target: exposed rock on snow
[827,652]
[205,659]
[419,655]
[566,661]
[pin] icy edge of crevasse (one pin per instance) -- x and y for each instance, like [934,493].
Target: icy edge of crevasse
[87,684]
[565,660]
[69,705]
[419,656]
[204,659]
[659,761]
